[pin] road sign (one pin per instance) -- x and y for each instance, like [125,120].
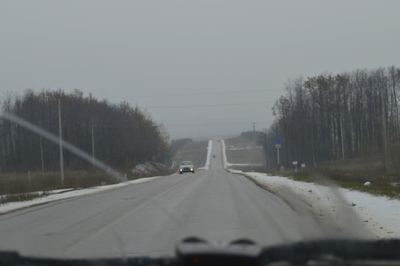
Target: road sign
[278,147]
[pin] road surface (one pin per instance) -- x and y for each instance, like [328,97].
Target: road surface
[148,218]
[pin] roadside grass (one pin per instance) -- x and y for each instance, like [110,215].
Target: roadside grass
[22,182]
[351,173]
[158,172]
[383,185]
[22,186]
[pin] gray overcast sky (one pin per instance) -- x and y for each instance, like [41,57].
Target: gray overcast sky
[199,54]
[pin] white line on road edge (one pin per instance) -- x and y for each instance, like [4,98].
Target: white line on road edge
[209,149]
[225,161]
[12,206]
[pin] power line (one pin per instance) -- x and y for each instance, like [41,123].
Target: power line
[218,92]
[221,123]
[205,105]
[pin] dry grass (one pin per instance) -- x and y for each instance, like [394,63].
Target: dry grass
[17,183]
[21,183]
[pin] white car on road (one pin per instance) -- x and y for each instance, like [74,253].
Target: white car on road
[186,166]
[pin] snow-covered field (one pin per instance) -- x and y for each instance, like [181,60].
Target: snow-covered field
[381,215]
[63,194]
[225,160]
[233,148]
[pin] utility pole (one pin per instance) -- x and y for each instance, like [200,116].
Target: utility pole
[278,160]
[60,138]
[41,150]
[265,147]
[93,145]
[41,154]
[384,138]
[278,145]
[341,136]
[254,130]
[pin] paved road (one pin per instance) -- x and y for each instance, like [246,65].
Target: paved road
[148,218]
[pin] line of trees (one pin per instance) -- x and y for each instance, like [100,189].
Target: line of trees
[331,117]
[120,135]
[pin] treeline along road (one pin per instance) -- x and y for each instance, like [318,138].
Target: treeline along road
[330,117]
[118,134]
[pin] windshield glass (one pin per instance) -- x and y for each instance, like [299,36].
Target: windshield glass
[127,126]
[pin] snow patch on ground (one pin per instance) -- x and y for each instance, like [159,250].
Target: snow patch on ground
[63,194]
[148,169]
[379,214]
[209,149]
